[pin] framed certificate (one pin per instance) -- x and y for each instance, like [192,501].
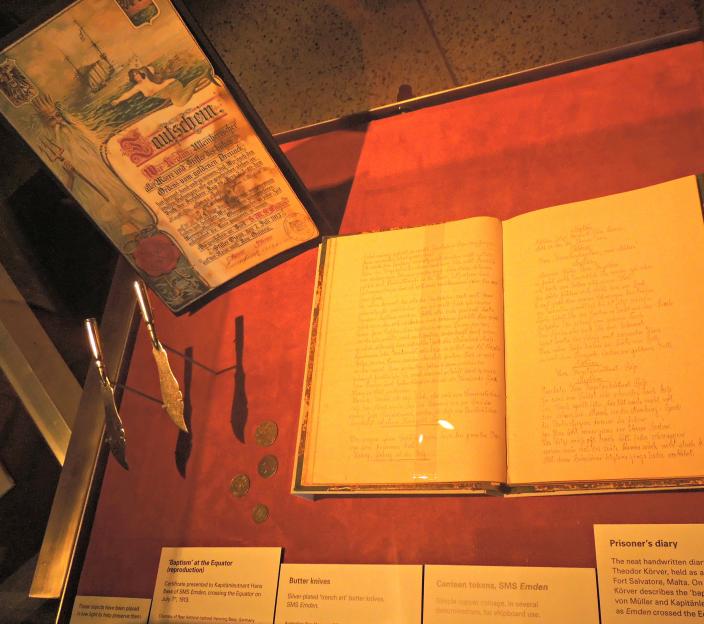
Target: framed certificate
[135,114]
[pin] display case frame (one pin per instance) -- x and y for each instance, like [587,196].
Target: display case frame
[59,561]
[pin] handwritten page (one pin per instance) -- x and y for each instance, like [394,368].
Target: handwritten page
[604,339]
[106,609]
[229,585]
[650,573]
[349,594]
[494,594]
[408,367]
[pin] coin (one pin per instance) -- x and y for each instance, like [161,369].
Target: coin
[260,513]
[239,485]
[268,465]
[266,433]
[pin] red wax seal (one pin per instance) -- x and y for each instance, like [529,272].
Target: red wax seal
[156,255]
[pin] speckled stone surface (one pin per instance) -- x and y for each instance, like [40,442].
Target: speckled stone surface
[485,38]
[310,60]
[305,61]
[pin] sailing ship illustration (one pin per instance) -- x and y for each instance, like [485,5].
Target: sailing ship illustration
[93,75]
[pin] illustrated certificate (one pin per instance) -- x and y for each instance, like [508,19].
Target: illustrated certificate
[459,594]
[123,106]
[106,609]
[230,585]
[349,594]
[650,573]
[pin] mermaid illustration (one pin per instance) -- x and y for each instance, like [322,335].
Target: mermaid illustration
[144,80]
[75,158]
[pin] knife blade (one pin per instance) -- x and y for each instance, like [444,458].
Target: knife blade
[170,391]
[114,430]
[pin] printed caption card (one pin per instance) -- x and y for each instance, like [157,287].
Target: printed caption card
[650,573]
[493,594]
[349,594]
[228,585]
[107,609]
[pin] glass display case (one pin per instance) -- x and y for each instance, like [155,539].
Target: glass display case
[604,129]
[574,130]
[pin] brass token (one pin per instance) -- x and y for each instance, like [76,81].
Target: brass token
[239,485]
[260,513]
[266,433]
[268,465]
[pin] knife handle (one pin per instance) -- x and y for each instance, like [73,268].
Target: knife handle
[96,348]
[145,308]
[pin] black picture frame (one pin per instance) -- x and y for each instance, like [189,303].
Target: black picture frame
[223,72]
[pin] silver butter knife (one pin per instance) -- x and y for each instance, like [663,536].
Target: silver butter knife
[114,431]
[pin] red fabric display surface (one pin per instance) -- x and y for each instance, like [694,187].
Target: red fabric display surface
[594,132]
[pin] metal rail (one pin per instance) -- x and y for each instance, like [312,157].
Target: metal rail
[79,475]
